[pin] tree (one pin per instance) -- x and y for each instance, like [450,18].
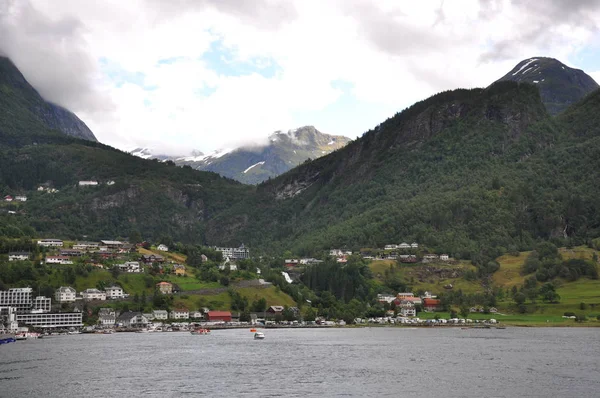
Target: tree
[245,316]
[135,237]
[520,298]
[310,315]
[259,305]
[464,311]
[548,292]
[224,281]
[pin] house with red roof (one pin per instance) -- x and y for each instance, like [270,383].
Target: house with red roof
[431,304]
[216,316]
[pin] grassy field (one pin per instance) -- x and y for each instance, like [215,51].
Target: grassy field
[222,300]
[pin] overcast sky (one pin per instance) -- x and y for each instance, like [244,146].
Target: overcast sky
[205,74]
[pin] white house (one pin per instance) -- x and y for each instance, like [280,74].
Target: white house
[336,252]
[407,308]
[162,248]
[196,314]
[114,292]
[93,294]
[107,317]
[132,319]
[18,256]
[160,314]
[385,298]
[50,242]
[58,260]
[180,313]
[130,266]
[403,245]
[414,245]
[444,257]
[21,198]
[86,246]
[65,294]
[390,247]
[88,183]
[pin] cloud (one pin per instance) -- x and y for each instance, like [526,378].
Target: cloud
[207,74]
[52,55]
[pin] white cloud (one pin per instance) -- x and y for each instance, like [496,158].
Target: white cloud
[390,53]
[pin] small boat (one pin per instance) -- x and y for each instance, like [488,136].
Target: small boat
[200,331]
[259,336]
[253,330]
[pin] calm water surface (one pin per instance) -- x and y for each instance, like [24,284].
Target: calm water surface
[377,362]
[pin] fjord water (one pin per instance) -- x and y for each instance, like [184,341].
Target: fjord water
[424,362]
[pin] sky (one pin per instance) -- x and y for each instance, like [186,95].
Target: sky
[183,75]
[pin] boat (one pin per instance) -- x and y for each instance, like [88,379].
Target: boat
[259,336]
[6,338]
[200,331]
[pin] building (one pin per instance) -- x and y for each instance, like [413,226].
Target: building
[275,309]
[444,257]
[431,304]
[196,314]
[162,248]
[88,183]
[21,198]
[165,287]
[19,298]
[87,246]
[107,317]
[430,257]
[50,242]
[8,198]
[114,292]
[160,314]
[58,260]
[218,316]
[130,267]
[18,256]
[385,298]
[234,253]
[404,295]
[291,262]
[52,320]
[390,247]
[93,294]
[71,253]
[403,245]
[179,269]
[407,309]
[132,319]
[152,258]
[65,294]
[180,313]
[111,244]
[43,304]
[414,245]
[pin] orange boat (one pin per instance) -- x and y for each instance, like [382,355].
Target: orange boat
[253,330]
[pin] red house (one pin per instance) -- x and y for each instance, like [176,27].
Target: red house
[224,316]
[430,304]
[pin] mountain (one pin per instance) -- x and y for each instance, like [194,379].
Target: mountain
[560,86]
[253,165]
[473,173]
[22,109]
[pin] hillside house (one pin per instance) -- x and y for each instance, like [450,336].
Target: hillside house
[275,309]
[427,258]
[88,183]
[390,247]
[197,314]
[21,198]
[162,248]
[385,298]
[114,292]
[18,256]
[58,260]
[165,287]
[71,253]
[444,257]
[8,198]
[179,269]
[65,294]
[179,313]
[406,308]
[93,294]
[111,244]
[291,262]
[130,267]
[86,246]
[50,242]
[404,246]
[414,245]
[234,253]
[152,258]
[216,316]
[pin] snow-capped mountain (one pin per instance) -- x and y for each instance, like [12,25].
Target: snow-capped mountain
[252,165]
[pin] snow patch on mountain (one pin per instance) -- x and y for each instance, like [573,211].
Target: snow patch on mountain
[254,165]
[525,66]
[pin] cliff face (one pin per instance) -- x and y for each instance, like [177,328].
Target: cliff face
[23,111]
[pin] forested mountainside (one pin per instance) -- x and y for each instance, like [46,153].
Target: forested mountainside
[465,172]
[473,173]
[23,111]
[560,86]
